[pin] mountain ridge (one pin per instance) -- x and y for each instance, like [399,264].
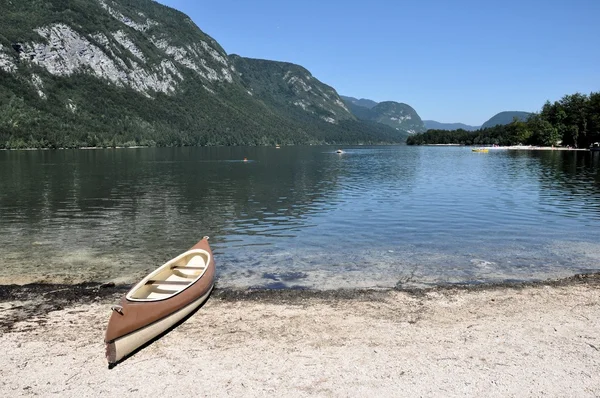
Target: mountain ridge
[363,102]
[434,125]
[505,117]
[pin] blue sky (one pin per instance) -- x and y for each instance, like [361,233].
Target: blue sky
[452,60]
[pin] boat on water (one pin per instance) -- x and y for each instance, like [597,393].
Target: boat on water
[595,147]
[482,150]
[339,151]
[159,301]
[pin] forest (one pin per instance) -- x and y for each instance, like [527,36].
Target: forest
[573,121]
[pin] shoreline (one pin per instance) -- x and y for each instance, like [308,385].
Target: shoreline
[537,148]
[39,299]
[512,147]
[7,289]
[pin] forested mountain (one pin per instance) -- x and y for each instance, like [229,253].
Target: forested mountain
[433,125]
[399,116]
[505,118]
[573,121]
[290,88]
[134,72]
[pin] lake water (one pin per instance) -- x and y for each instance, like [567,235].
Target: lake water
[301,216]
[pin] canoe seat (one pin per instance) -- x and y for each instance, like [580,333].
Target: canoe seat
[153,282]
[196,261]
[191,268]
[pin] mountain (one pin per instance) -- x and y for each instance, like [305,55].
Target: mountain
[433,125]
[401,117]
[503,118]
[135,72]
[398,115]
[285,85]
[363,102]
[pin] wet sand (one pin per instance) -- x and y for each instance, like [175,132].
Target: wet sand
[490,340]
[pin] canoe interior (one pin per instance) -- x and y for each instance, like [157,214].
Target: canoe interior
[172,278]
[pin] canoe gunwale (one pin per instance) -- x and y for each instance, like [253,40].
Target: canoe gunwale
[168,264]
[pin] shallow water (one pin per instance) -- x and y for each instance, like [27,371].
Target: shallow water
[301,216]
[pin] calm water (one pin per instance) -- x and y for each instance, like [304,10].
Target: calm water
[301,216]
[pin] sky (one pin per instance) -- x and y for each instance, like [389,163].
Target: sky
[451,60]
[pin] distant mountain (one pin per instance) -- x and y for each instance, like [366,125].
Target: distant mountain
[433,125]
[505,118]
[365,103]
[399,116]
[360,112]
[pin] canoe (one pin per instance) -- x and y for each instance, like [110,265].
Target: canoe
[160,300]
[484,150]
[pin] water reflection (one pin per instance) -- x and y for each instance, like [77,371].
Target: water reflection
[301,217]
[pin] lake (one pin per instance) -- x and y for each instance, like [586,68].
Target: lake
[301,217]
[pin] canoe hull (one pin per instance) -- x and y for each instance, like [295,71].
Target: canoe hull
[137,322]
[122,347]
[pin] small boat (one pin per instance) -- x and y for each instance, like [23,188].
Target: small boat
[159,301]
[339,151]
[595,147]
[482,150]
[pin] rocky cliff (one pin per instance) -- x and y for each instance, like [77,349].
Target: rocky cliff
[132,50]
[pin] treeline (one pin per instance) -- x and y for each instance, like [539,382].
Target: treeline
[573,121]
[83,111]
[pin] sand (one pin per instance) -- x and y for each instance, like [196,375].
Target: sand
[497,341]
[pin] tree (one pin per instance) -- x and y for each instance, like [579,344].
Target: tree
[543,133]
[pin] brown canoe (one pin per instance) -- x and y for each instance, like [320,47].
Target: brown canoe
[160,300]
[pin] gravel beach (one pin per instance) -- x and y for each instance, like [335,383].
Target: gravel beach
[494,340]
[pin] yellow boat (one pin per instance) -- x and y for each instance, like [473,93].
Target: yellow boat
[482,150]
